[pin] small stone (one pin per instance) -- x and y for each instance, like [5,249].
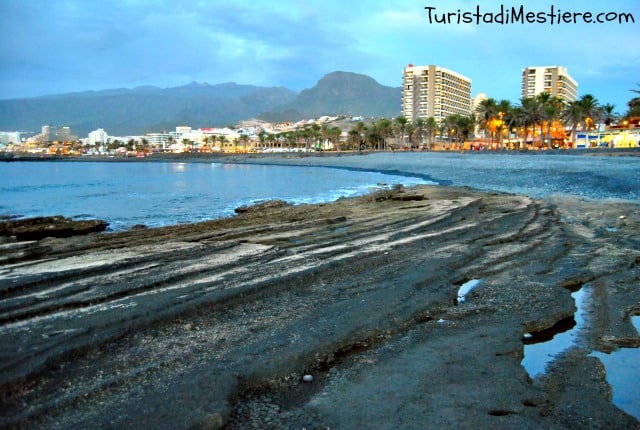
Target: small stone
[528,335]
[307,378]
[622,217]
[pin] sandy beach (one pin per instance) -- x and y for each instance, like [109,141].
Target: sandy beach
[339,315]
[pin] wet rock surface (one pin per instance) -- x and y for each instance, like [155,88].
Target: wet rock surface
[52,226]
[217,324]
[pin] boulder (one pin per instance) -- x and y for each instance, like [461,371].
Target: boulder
[52,226]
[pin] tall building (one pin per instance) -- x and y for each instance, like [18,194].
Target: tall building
[432,91]
[553,79]
[98,136]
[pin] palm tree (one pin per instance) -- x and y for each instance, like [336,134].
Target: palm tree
[430,126]
[385,130]
[486,110]
[590,109]
[354,138]
[461,126]
[418,131]
[333,134]
[608,116]
[360,128]
[634,108]
[532,113]
[515,120]
[572,115]
[262,137]
[144,145]
[551,108]
[504,109]
[402,121]
[222,139]
[244,140]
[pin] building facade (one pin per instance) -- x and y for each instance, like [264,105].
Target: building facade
[98,136]
[10,137]
[433,91]
[551,79]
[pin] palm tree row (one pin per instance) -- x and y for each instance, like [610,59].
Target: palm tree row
[543,114]
[537,121]
[543,117]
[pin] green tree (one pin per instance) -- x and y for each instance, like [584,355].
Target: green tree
[401,123]
[486,111]
[354,138]
[417,135]
[590,109]
[504,109]
[186,143]
[262,137]
[360,129]
[430,126]
[532,112]
[608,115]
[222,139]
[385,131]
[572,116]
[244,141]
[551,108]
[334,134]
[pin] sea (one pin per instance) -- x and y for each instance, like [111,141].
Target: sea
[156,194]
[163,193]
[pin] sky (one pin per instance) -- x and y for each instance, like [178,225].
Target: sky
[59,46]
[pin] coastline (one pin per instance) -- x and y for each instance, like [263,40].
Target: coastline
[212,156]
[213,324]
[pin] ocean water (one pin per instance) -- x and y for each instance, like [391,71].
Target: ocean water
[165,193]
[537,174]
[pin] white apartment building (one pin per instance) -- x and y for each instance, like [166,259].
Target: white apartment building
[98,136]
[10,137]
[551,79]
[433,91]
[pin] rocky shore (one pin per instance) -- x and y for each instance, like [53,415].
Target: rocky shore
[341,315]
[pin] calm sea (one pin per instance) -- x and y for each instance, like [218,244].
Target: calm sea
[163,193]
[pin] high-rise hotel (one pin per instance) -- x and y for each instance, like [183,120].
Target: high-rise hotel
[432,91]
[553,79]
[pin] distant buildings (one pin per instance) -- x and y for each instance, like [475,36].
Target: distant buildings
[98,136]
[433,91]
[9,137]
[552,79]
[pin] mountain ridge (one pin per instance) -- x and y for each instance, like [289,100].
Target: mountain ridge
[140,110]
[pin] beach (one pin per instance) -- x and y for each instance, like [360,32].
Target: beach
[332,315]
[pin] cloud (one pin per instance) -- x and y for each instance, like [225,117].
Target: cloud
[69,45]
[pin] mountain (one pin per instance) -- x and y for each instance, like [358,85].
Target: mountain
[144,109]
[346,93]
[152,109]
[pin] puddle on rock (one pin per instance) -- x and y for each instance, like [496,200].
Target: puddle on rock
[541,348]
[622,366]
[623,374]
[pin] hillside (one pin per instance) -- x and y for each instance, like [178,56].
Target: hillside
[144,109]
[151,109]
[343,93]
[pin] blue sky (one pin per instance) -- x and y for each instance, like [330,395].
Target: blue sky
[58,46]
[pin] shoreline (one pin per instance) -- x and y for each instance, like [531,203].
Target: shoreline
[215,324]
[212,156]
